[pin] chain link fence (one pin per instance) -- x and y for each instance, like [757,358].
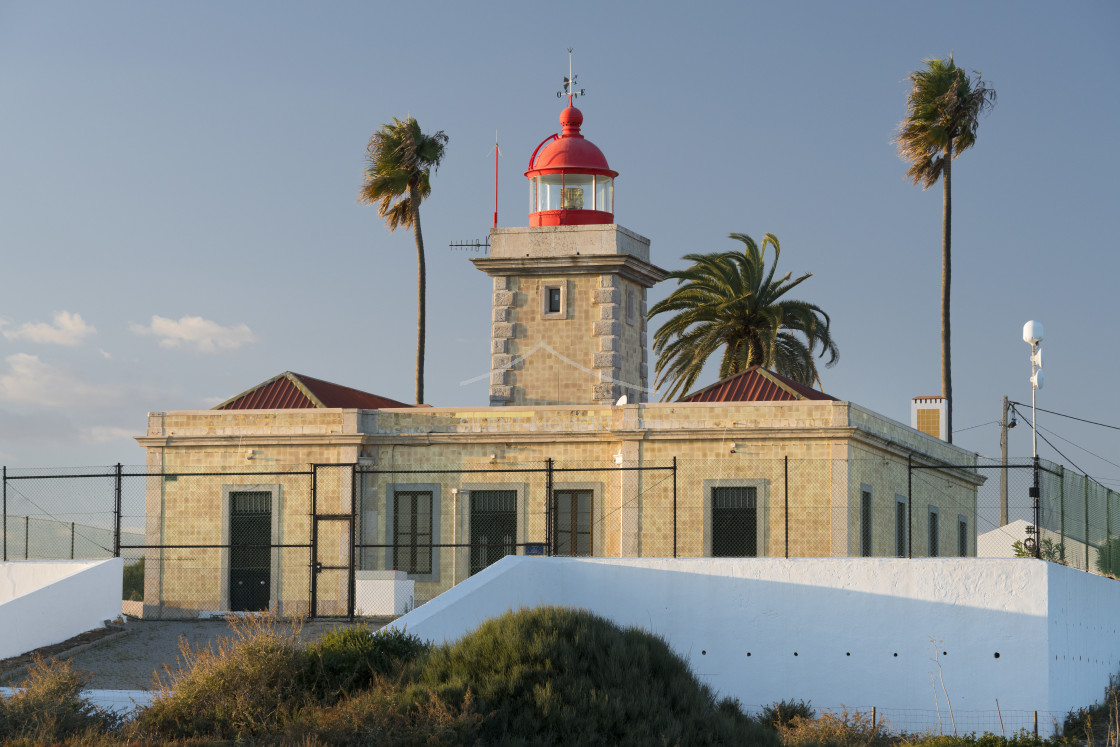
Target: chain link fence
[374,541]
[1006,722]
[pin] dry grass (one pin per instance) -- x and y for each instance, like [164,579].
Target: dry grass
[844,729]
[48,708]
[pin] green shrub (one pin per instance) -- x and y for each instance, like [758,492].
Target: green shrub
[48,707]
[346,659]
[1048,550]
[133,590]
[1108,557]
[562,676]
[784,711]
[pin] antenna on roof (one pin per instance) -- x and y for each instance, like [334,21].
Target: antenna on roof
[497,152]
[476,245]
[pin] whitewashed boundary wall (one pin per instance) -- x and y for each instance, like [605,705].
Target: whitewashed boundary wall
[855,631]
[43,602]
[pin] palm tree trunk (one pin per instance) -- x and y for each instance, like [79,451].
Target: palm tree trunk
[421,293]
[946,277]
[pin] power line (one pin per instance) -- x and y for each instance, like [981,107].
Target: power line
[1078,446]
[1055,448]
[1071,417]
[1071,443]
[974,427]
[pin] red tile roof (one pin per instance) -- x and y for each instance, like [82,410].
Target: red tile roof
[292,391]
[756,384]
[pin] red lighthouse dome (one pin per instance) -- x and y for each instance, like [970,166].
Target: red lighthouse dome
[570,183]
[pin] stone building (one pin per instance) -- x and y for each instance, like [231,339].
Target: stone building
[290,494]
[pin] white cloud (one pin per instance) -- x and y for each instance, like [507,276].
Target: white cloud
[203,335]
[67,329]
[29,381]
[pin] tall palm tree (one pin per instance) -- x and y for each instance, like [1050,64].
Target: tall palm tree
[401,159]
[731,300]
[943,112]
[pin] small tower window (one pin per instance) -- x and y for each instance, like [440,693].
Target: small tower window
[554,299]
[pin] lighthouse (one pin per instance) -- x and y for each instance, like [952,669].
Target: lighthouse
[568,322]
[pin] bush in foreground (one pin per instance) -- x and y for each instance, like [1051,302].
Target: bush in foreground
[782,712]
[561,676]
[248,687]
[265,684]
[48,708]
[348,659]
[844,729]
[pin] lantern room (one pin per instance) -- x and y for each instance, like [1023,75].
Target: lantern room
[570,183]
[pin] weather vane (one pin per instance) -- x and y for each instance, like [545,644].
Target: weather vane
[570,89]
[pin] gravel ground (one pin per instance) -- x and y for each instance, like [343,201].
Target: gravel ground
[129,662]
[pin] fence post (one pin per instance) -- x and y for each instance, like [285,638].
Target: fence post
[674,507]
[315,544]
[1108,527]
[1036,495]
[909,506]
[352,581]
[26,535]
[5,481]
[785,487]
[71,540]
[548,505]
[1036,724]
[1086,523]
[1062,508]
[117,518]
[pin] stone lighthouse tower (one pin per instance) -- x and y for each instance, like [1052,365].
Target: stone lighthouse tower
[569,314]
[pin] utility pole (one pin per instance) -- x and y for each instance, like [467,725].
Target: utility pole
[1003,470]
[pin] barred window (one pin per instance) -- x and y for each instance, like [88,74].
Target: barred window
[900,522]
[573,522]
[962,536]
[934,533]
[734,522]
[412,531]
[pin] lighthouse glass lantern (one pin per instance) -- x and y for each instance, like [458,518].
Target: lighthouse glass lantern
[570,182]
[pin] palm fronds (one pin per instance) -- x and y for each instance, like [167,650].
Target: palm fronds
[732,301]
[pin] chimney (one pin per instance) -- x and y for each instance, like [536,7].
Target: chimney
[927,414]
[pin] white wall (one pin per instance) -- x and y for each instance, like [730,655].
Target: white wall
[865,630]
[1084,635]
[47,601]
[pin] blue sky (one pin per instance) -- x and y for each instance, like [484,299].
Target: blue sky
[178,182]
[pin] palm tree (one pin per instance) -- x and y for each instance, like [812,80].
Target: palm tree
[944,108]
[398,178]
[731,300]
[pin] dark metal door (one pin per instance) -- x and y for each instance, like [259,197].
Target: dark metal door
[493,526]
[734,522]
[250,532]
